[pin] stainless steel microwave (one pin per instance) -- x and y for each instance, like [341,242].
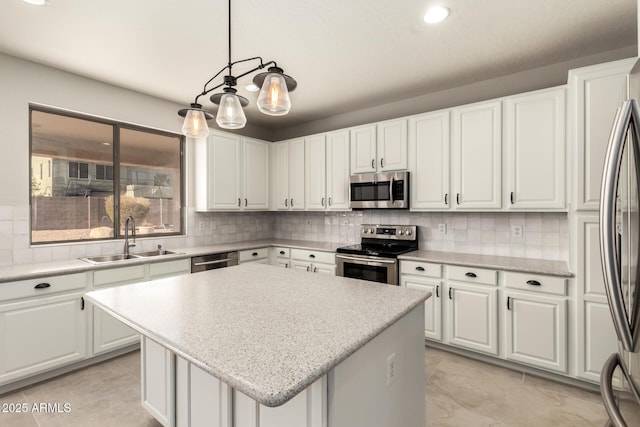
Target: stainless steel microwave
[388,190]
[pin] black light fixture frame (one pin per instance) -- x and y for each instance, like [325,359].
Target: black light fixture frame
[230,81]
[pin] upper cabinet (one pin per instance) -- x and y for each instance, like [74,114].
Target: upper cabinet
[595,93]
[326,169]
[231,173]
[534,141]
[288,174]
[429,160]
[476,166]
[379,147]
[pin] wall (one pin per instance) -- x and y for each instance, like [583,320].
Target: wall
[545,235]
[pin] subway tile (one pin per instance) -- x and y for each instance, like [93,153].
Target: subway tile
[6,213]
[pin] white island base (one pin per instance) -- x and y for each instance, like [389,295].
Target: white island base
[380,385]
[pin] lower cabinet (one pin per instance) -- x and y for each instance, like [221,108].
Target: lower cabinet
[258,256]
[314,261]
[41,334]
[158,381]
[536,330]
[280,257]
[432,306]
[472,316]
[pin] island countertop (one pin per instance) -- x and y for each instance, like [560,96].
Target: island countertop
[266,331]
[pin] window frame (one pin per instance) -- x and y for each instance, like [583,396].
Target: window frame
[117,126]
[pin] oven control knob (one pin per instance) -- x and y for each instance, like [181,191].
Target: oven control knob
[365,230]
[401,232]
[409,232]
[371,230]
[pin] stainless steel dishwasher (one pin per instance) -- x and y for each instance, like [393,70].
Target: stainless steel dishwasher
[213,261]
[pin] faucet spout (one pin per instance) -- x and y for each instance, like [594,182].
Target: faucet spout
[129,222]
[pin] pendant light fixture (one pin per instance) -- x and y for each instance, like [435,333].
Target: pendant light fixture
[273,99]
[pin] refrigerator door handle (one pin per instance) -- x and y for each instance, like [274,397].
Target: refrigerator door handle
[627,119]
[606,391]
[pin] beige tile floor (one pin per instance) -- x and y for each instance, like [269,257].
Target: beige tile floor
[459,392]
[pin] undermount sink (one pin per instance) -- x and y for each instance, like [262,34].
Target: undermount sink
[108,258]
[121,257]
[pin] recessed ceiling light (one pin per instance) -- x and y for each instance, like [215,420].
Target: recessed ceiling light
[252,88]
[37,2]
[436,14]
[106,143]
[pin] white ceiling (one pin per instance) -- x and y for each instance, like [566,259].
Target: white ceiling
[345,54]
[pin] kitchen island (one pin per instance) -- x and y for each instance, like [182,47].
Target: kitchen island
[256,345]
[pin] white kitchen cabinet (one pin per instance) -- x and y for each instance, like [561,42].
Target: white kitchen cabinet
[162,269]
[379,147]
[232,173]
[326,169]
[536,330]
[280,256]
[315,158]
[476,167]
[158,382]
[288,169]
[42,333]
[259,256]
[429,161]
[595,93]
[432,306]
[472,320]
[534,126]
[314,261]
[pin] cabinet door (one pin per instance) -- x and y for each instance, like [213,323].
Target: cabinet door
[473,317]
[338,170]
[329,269]
[223,173]
[315,173]
[392,145]
[158,382]
[477,156]
[432,306]
[535,142]
[41,334]
[429,165]
[596,92]
[281,175]
[296,174]
[536,330]
[110,333]
[301,265]
[363,149]
[256,174]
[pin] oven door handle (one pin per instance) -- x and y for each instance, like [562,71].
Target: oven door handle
[368,261]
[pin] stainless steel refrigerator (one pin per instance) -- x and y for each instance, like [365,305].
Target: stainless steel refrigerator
[619,250]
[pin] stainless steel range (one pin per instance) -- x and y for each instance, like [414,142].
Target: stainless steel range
[376,257]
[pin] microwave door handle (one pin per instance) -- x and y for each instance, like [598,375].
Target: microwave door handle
[391,190]
[606,390]
[608,244]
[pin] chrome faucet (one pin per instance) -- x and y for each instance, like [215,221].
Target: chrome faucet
[129,222]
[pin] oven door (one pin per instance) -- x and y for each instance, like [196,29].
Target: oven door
[382,270]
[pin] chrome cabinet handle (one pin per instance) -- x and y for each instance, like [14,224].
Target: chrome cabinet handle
[606,390]
[627,119]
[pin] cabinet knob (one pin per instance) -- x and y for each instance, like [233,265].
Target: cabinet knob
[533,283]
[420,268]
[470,274]
[312,256]
[42,286]
[281,252]
[254,254]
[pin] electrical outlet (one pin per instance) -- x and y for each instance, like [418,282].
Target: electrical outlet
[201,225]
[442,228]
[391,368]
[516,231]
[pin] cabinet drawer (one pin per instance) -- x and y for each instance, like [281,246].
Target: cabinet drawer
[282,252]
[314,256]
[169,268]
[56,284]
[473,274]
[535,282]
[418,268]
[253,254]
[112,276]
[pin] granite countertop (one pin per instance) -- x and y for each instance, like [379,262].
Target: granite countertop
[525,265]
[46,269]
[269,332]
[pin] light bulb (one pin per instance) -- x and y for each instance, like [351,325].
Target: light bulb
[195,124]
[436,14]
[274,96]
[230,114]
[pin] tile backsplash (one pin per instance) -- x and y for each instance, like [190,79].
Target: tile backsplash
[544,235]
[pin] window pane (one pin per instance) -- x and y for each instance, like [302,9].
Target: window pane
[69,202]
[150,185]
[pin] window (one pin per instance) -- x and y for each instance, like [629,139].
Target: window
[100,172]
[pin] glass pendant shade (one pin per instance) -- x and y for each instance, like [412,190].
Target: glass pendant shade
[230,114]
[273,99]
[195,124]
